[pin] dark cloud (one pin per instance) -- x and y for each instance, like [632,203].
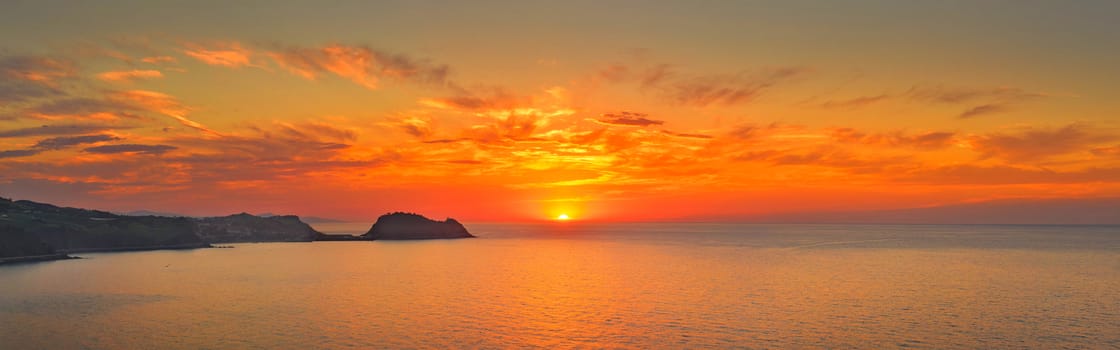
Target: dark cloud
[84,106]
[728,89]
[19,153]
[983,110]
[984,101]
[58,129]
[131,148]
[56,143]
[628,119]
[855,102]
[686,135]
[16,90]
[481,99]
[69,141]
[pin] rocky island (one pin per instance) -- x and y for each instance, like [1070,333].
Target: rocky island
[406,226]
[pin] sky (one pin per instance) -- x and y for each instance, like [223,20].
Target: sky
[525,110]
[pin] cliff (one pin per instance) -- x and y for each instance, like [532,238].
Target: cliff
[403,226]
[248,228]
[31,228]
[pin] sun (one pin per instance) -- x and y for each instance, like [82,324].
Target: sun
[562,217]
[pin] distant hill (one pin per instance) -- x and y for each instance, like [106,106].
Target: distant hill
[1091,211]
[30,228]
[72,229]
[319,220]
[152,213]
[249,228]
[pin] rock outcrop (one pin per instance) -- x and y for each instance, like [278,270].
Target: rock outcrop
[407,226]
[249,228]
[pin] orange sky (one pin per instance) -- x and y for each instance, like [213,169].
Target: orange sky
[498,111]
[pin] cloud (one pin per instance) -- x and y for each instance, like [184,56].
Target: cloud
[19,153]
[1113,151]
[69,141]
[158,59]
[40,69]
[129,75]
[926,140]
[627,119]
[131,148]
[56,143]
[1034,144]
[984,101]
[162,103]
[362,65]
[83,107]
[309,131]
[956,95]
[686,135]
[56,129]
[733,89]
[855,102]
[983,110]
[414,126]
[15,90]
[484,100]
[24,78]
[227,54]
[1004,175]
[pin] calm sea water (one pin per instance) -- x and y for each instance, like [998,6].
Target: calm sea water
[576,285]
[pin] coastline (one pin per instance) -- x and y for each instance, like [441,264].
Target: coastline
[35,258]
[65,254]
[137,248]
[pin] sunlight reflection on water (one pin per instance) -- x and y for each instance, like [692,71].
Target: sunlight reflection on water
[613,286]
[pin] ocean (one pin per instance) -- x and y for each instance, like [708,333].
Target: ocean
[584,285]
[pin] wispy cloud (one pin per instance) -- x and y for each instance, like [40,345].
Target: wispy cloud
[162,103]
[1034,144]
[627,119]
[855,102]
[984,109]
[57,129]
[925,140]
[129,75]
[227,54]
[55,143]
[362,65]
[130,148]
[158,59]
[25,78]
[982,101]
[40,69]
[729,89]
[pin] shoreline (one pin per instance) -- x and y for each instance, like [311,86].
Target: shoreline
[64,254]
[137,248]
[35,258]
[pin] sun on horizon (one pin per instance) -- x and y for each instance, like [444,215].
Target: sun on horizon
[563,217]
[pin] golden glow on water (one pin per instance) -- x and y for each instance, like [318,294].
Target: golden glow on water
[568,291]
